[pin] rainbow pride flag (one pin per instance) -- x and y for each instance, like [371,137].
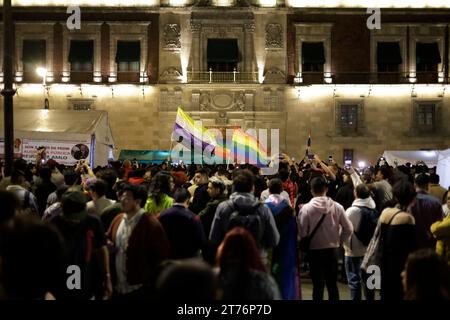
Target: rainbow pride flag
[243,147]
[249,148]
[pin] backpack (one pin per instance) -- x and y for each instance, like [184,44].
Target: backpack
[367,224]
[249,219]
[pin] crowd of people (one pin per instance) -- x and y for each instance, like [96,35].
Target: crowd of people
[203,232]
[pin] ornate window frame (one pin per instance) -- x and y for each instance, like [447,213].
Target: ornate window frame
[90,31]
[361,129]
[34,31]
[313,32]
[135,32]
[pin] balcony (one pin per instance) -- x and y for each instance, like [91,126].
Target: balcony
[309,78]
[222,77]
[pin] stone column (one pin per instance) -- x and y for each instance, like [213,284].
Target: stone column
[196,54]
[249,47]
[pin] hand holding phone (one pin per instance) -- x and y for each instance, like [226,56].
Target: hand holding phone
[347,164]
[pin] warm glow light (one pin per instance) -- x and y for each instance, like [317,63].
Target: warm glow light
[178,3]
[361,164]
[268,3]
[86,3]
[222,3]
[369,3]
[397,91]
[291,3]
[42,72]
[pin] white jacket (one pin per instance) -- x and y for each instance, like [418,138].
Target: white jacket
[357,249]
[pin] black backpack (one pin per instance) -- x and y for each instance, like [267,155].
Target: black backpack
[249,219]
[367,224]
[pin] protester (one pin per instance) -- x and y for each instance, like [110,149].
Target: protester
[159,197]
[139,243]
[284,262]
[243,275]
[399,240]
[244,209]
[426,277]
[183,228]
[361,214]
[426,210]
[334,229]
[435,190]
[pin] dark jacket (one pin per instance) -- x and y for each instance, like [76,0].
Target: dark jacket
[426,211]
[147,247]
[201,198]
[220,225]
[207,214]
[184,231]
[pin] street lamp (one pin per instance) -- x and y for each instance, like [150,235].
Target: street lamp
[42,72]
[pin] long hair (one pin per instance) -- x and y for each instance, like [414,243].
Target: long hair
[427,276]
[238,248]
[160,185]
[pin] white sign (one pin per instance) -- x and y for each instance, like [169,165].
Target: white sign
[63,152]
[17,148]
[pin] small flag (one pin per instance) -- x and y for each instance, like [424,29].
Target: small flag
[308,143]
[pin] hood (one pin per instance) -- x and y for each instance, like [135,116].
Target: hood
[323,204]
[368,202]
[14,187]
[276,203]
[244,200]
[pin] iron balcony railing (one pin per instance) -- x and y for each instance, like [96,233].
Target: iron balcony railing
[308,78]
[222,77]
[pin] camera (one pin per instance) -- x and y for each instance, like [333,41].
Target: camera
[330,158]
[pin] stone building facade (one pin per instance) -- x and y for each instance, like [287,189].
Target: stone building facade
[274,82]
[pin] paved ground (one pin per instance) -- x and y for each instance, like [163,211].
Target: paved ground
[344,292]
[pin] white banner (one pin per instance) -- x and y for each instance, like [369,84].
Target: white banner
[64,152]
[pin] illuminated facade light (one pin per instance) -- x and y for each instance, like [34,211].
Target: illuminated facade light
[223,3]
[298,78]
[368,4]
[112,78]
[42,72]
[178,3]
[143,77]
[268,3]
[18,77]
[86,3]
[97,76]
[418,4]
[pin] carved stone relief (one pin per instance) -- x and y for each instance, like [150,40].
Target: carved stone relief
[172,36]
[205,101]
[171,74]
[274,75]
[273,99]
[170,99]
[222,100]
[274,36]
[239,101]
